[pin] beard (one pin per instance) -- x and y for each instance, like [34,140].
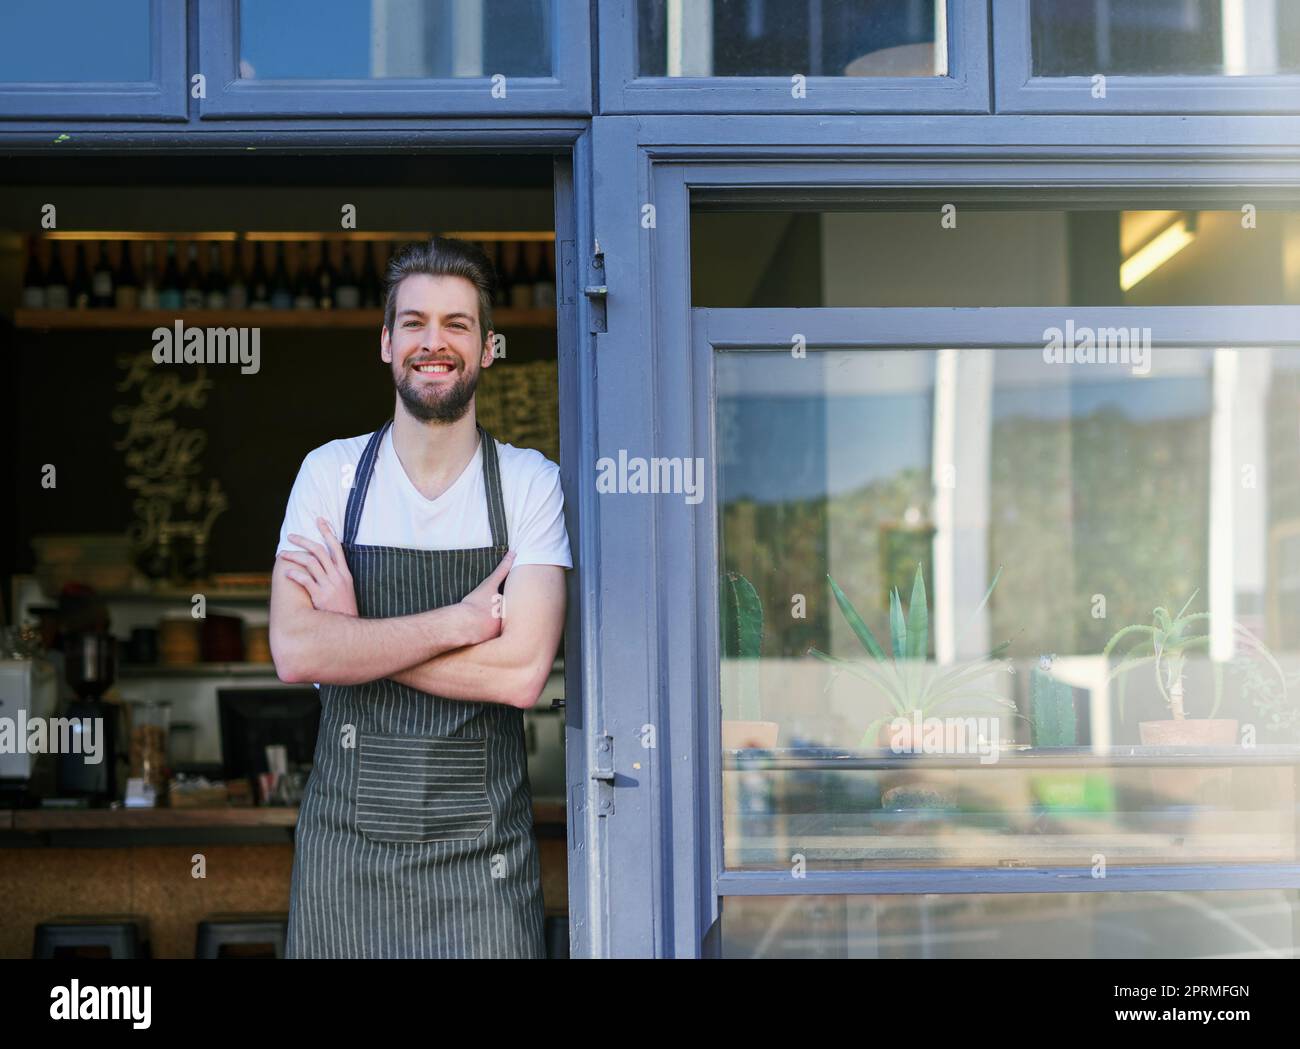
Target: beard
[434,404]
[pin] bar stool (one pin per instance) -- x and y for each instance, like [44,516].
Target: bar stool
[93,936]
[241,936]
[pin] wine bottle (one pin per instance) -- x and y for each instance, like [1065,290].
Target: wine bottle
[101,280]
[170,295]
[281,295]
[193,296]
[544,278]
[214,289]
[304,297]
[348,293]
[371,290]
[126,289]
[79,292]
[237,293]
[521,285]
[501,297]
[149,297]
[325,279]
[34,279]
[259,282]
[79,289]
[57,293]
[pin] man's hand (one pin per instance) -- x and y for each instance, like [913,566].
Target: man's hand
[512,668]
[325,575]
[484,603]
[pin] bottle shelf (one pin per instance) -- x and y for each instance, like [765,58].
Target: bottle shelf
[503,319]
[194,670]
[213,595]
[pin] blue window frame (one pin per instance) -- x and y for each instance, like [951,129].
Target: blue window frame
[1020,88]
[334,77]
[959,30]
[152,42]
[656,397]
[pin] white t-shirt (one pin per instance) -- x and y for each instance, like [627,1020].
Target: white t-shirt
[396,514]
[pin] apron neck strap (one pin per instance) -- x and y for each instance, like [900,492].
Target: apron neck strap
[496,505]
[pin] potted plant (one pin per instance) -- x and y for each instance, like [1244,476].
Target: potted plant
[913,688]
[743,726]
[1164,644]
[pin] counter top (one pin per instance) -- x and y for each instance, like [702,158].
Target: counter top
[545,811]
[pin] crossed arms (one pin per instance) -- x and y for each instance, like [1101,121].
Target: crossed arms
[485,647]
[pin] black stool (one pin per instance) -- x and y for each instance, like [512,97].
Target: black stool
[242,936]
[93,936]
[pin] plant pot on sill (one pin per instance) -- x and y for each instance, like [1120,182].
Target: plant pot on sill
[749,735]
[1191,786]
[923,789]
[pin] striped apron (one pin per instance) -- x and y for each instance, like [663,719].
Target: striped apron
[415,835]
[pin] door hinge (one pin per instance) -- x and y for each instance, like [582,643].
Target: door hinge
[597,291]
[602,771]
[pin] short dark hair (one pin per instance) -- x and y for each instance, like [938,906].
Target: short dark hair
[442,257]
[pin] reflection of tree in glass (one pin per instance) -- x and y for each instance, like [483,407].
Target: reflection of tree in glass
[785,549]
[1095,505]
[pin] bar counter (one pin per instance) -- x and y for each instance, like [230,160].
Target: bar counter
[176,866]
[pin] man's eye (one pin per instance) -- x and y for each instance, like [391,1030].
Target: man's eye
[412,324]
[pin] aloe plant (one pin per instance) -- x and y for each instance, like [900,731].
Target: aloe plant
[907,682]
[1164,643]
[742,640]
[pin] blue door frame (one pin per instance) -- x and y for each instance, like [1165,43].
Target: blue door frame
[657,564]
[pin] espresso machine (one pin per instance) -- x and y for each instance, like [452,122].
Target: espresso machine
[29,689]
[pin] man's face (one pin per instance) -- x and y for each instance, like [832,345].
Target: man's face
[434,348]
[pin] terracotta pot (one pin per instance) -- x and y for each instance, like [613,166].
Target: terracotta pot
[749,735]
[1190,732]
[1191,786]
[922,788]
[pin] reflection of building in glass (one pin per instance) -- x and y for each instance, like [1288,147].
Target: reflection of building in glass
[395,39]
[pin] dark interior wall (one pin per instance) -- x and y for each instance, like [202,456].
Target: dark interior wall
[313,385]
[258,426]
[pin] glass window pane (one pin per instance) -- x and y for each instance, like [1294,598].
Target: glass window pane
[1165,37]
[840,38]
[394,39]
[1131,687]
[982,256]
[1257,924]
[75,41]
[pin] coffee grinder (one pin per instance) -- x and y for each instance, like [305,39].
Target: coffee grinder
[88,756]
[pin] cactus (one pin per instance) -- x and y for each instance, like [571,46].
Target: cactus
[1052,703]
[742,639]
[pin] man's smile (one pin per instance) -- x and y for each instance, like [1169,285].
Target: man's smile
[436,370]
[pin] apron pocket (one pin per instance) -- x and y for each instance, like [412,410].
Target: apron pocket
[416,788]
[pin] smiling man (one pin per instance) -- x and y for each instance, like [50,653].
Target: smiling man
[414,839]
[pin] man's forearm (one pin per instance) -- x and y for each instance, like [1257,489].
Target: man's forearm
[489,672]
[339,649]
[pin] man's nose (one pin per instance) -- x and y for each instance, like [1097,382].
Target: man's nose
[434,342]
